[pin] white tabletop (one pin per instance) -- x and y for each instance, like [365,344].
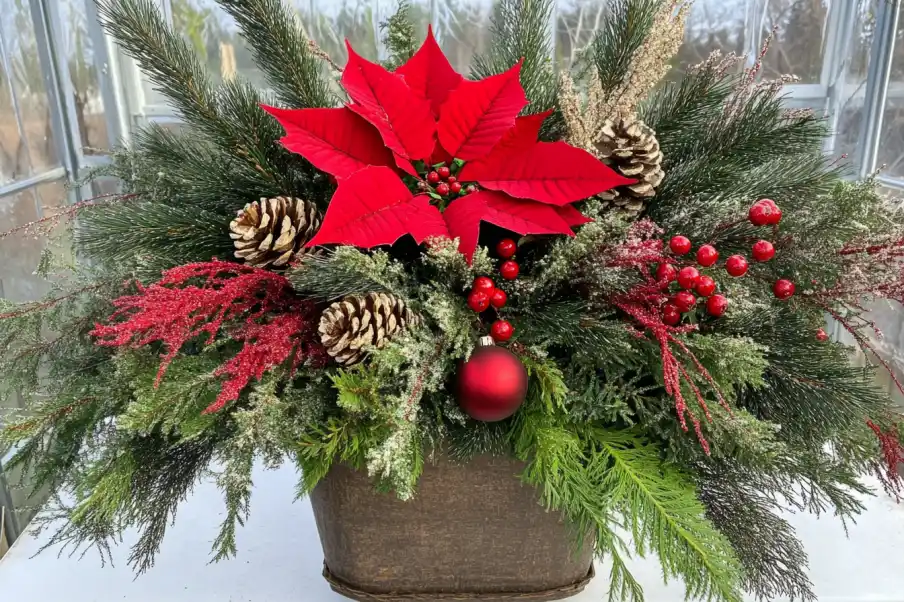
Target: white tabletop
[279,559]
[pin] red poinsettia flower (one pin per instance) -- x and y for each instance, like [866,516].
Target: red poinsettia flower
[399,127]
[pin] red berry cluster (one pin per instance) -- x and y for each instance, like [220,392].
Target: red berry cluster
[485,293]
[766,213]
[445,183]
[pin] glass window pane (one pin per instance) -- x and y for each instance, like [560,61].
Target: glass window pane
[891,148]
[21,252]
[463,28]
[76,45]
[849,115]
[27,139]
[576,23]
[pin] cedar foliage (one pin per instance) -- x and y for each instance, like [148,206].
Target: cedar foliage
[598,430]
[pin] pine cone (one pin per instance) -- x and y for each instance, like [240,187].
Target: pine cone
[270,232]
[350,326]
[630,147]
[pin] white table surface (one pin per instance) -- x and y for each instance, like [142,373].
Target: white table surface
[280,560]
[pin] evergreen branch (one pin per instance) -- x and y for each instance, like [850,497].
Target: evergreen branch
[347,271]
[664,514]
[624,30]
[519,31]
[282,51]
[399,36]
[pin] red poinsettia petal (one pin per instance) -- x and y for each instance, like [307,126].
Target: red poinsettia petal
[572,216]
[478,114]
[429,74]
[524,217]
[334,140]
[550,172]
[525,132]
[374,207]
[405,165]
[404,120]
[440,155]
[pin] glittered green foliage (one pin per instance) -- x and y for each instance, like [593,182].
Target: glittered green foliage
[399,35]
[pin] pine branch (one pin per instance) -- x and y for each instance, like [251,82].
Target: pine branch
[348,271]
[624,30]
[282,51]
[520,31]
[229,116]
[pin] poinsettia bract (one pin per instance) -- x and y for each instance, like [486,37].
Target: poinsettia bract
[398,125]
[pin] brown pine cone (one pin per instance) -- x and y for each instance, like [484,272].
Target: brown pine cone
[348,328]
[271,232]
[630,147]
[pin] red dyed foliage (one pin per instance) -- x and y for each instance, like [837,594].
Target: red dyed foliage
[643,304]
[893,455]
[254,306]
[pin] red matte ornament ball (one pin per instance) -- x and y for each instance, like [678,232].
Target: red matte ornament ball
[671,315]
[482,283]
[433,177]
[684,301]
[443,189]
[444,172]
[763,250]
[783,289]
[822,336]
[455,187]
[498,299]
[506,248]
[707,255]
[492,384]
[680,245]
[716,306]
[706,286]
[501,330]
[760,213]
[478,301]
[509,270]
[666,273]
[736,266]
[688,277]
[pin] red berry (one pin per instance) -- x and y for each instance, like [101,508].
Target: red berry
[707,255]
[680,245]
[783,289]
[506,248]
[433,177]
[478,301]
[776,216]
[706,286]
[498,298]
[688,277]
[509,270]
[736,265]
[472,189]
[451,179]
[822,336]
[666,273]
[716,305]
[455,187]
[684,301]
[760,213]
[482,283]
[501,330]
[671,315]
[763,251]
[442,189]
[444,172]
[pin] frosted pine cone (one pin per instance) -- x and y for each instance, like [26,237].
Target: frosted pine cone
[348,328]
[271,232]
[630,147]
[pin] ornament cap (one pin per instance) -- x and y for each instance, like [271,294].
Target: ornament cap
[485,341]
